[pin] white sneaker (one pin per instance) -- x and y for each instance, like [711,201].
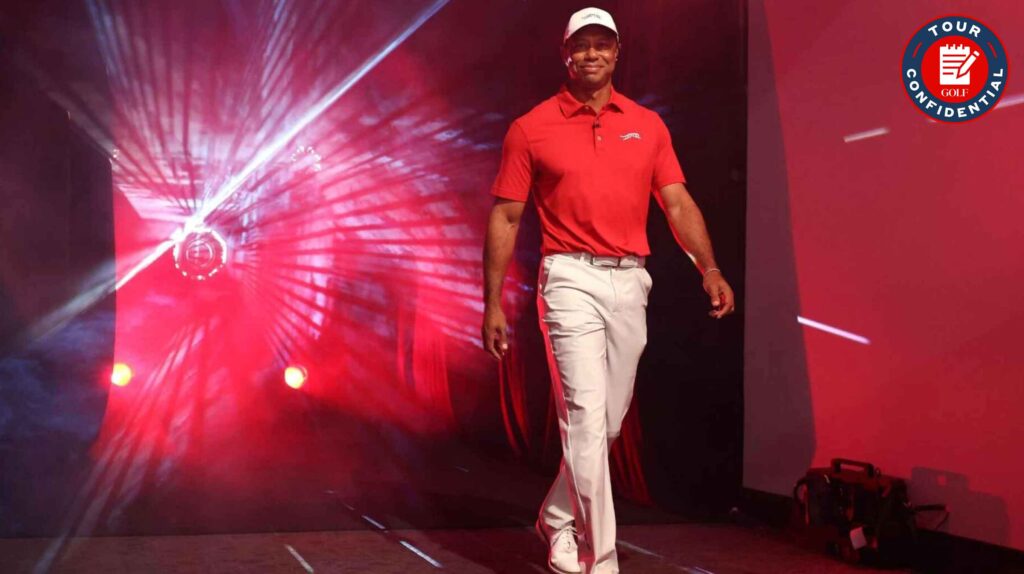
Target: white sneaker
[562,554]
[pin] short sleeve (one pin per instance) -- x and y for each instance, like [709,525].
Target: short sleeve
[666,164]
[516,173]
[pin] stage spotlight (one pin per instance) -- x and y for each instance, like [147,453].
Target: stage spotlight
[200,254]
[120,375]
[295,376]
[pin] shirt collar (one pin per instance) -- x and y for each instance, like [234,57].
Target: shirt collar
[570,106]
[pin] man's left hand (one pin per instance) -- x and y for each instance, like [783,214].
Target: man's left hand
[723,301]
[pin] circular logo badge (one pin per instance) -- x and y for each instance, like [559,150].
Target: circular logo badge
[954,69]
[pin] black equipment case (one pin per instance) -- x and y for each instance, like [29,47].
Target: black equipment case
[854,512]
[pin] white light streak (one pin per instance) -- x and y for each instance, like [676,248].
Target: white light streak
[299,558]
[1007,101]
[146,262]
[833,330]
[421,554]
[313,113]
[275,146]
[374,522]
[865,135]
[636,548]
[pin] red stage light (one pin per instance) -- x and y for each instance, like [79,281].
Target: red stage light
[121,374]
[295,376]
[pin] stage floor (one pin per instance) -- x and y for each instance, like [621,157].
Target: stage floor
[643,549]
[319,490]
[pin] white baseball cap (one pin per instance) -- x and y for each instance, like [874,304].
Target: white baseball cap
[586,17]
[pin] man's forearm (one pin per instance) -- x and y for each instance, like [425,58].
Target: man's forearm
[691,233]
[498,248]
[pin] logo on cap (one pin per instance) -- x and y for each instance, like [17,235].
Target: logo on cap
[580,19]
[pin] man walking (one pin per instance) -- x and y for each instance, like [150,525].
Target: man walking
[591,157]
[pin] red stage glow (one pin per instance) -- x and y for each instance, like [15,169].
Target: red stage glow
[120,375]
[917,383]
[295,376]
[349,235]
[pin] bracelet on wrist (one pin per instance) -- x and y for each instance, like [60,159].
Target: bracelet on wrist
[712,270]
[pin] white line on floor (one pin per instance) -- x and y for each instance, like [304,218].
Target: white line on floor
[865,135]
[421,554]
[374,522]
[299,558]
[833,330]
[700,570]
[636,548]
[462,469]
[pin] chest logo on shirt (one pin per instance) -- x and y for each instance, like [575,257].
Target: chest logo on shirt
[629,136]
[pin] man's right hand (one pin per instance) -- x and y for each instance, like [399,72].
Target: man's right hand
[495,332]
[502,227]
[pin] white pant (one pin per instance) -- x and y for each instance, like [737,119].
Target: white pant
[595,326]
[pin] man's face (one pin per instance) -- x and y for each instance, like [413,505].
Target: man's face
[591,52]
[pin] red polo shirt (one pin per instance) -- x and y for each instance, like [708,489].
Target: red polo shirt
[591,173]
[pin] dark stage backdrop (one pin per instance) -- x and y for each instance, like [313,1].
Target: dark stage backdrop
[56,253]
[902,233]
[339,155]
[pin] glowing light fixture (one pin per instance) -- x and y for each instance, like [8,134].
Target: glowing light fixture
[120,375]
[295,376]
[306,157]
[266,153]
[200,254]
